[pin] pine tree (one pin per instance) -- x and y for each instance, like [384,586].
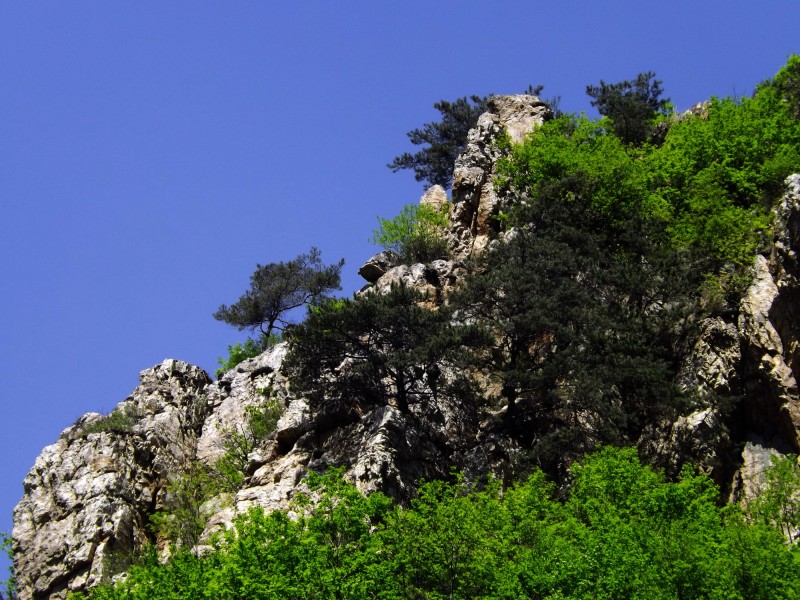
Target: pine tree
[277,288]
[373,349]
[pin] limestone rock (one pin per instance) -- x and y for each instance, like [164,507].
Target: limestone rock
[434,197]
[87,497]
[475,201]
[378,265]
[247,384]
[774,411]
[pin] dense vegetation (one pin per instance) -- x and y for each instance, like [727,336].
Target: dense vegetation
[622,532]
[625,231]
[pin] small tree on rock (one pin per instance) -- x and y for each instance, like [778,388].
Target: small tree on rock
[277,288]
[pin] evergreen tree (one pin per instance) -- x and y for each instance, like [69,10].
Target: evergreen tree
[631,105]
[278,288]
[581,308]
[446,139]
[370,349]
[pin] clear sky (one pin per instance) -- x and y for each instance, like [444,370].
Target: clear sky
[151,153]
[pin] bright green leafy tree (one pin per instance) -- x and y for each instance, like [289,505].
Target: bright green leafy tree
[415,235]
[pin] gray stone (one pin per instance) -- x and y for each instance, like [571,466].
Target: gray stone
[88,496]
[476,203]
[378,265]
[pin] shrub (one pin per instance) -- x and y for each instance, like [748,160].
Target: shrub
[260,422]
[240,352]
[416,234]
[117,421]
[183,517]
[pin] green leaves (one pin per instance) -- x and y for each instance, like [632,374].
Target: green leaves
[623,531]
[240,352]
[711,182]
[415,235]
[777,501]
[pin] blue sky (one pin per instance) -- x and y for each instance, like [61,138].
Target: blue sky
[151,153]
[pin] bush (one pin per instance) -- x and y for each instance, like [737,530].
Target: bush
[624,531]
[240,352]
[117,421]
[787,83]
[415,235]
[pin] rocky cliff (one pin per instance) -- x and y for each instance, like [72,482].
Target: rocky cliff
[89,497]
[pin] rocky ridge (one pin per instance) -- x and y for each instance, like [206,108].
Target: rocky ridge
[89,496]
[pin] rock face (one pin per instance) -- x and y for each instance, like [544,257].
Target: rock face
[744,368]
[475,201]
[89,497]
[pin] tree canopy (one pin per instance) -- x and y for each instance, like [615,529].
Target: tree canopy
[277,288]
[371,350]
[623,531]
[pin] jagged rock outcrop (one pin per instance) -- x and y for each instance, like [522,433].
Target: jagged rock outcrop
[88,497]
[475,201]
[378,265]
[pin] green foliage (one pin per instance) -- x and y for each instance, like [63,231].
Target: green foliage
[777,502]
[574,319]
[719,175]
[7,585]
[446,139]
[711,182]
[415,235]
[117,421]
[240,352]
[632,106]
[580,311]
[184,516]
[787,84]
[622,532]
[278,288]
